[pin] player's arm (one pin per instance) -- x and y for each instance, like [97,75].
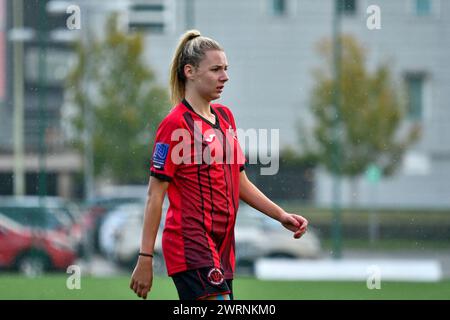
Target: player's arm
[142,278]
[250,194]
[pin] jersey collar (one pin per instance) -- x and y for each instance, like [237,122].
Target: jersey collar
[214,125]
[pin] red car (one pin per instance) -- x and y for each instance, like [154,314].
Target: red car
[67,214]
[33,241]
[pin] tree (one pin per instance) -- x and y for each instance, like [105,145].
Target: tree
[372,113]
[111,78]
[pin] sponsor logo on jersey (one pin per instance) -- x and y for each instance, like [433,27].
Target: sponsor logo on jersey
[210,138]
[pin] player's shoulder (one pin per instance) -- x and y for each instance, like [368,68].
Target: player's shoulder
[174,118]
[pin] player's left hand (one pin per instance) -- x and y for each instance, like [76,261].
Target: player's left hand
[294,223]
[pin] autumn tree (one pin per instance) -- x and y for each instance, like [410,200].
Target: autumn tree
[111,78]
[372,113]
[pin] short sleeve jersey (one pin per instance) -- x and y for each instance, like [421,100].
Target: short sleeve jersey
[202,161]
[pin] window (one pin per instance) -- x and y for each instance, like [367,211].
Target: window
[278,7]
[155,16]
[33,217]
[415,91]
[423,7]
[6,183]
[347,6]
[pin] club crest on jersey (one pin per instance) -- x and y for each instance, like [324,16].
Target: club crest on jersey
[160,155]
[232,133]
[215,276]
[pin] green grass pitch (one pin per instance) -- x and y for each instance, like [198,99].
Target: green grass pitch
[53,287]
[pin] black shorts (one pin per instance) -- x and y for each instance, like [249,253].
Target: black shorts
[201,283]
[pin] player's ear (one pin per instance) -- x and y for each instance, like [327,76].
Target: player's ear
[189,71]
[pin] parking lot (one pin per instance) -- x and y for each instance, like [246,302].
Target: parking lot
[103,238]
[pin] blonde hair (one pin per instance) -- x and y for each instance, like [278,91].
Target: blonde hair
[191,50]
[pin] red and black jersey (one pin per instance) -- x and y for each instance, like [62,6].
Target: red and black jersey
[202,161]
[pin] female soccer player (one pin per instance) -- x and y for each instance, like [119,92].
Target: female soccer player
[197,160]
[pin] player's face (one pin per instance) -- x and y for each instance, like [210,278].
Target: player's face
[210,76]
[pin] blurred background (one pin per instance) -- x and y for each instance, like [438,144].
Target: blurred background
[358,90]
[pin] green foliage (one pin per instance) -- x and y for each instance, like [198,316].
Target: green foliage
[290,157]
[111,79]
[371,114]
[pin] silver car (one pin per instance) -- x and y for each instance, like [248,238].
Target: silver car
[259,236]
[120,236]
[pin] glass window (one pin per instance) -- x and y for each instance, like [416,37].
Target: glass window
[347,6]
[278,7]
[423,7]
[32,217]
[415,85]
[149,17]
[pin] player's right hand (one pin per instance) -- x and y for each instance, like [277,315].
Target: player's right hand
[142,277]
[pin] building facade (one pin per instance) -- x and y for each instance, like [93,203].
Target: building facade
[270,46]
[36,60]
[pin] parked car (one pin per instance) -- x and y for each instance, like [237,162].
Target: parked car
[66,212]
[116,219]
[33,240]
[259,236]
[120,236]
[97,209]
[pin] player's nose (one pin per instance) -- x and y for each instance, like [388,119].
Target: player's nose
[224,77]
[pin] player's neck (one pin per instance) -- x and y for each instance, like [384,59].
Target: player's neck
[200,105]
